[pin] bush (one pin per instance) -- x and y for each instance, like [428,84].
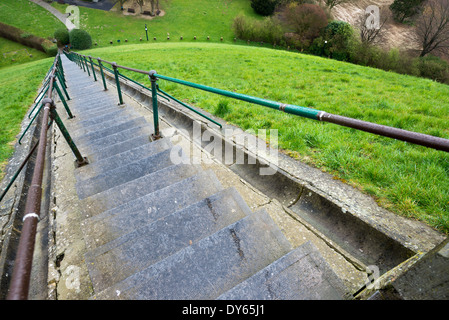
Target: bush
[27,39]
[339,36]
[264,7]
[306,20]
[267,30]
[62,36]
[433,68]
[80,39]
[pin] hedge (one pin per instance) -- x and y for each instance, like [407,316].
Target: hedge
[27,39]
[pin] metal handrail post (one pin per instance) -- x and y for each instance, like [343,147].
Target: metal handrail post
[37,103]
[153,80]
[117,82]
[62,99]
[87,67]
[82,63]
[93,70]
[62,85]
[102,73]
[80,160]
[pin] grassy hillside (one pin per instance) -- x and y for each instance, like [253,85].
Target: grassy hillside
[410,180]
[13,53]
[18,88]
[30,17]
[200,18]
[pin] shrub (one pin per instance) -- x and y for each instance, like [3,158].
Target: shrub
[433,68]
[80,39]
[307,20]
[264,7]
[62,36]
[27,39]
[339,36]
[267,30]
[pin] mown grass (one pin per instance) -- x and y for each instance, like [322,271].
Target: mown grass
[200,18]
[410,180]
[13,53]
[18,88]
[30,17]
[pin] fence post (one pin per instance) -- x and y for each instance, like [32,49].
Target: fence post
[153,79]
[87,67]
[102,74]
[93,70]
[55,85]
[117,82]
[80,160]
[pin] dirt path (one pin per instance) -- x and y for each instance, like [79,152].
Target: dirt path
[394,34]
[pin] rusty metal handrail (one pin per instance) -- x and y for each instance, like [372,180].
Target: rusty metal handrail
[20,280]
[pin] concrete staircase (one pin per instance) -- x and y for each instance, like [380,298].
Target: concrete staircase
[156,230]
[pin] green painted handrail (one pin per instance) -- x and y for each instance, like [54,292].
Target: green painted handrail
[296,110]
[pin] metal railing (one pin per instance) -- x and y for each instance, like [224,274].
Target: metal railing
[20,280]
[382,130]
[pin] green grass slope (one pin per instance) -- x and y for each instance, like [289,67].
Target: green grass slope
[30,17]
[200,18]
[18,88]
[410,180]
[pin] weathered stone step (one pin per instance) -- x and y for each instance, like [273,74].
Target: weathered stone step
[91,106]
[107,108]
[116,138]
[97,154]
[123,174]
[124,256]
[209,267]
[121,159]
[139,187]
[302,274]
[97,121]
[125,218]
[90,138]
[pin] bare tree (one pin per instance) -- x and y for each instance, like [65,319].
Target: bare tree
[371,23]
[432,27]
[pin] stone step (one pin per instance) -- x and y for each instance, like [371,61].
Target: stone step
[95,122]
[90,138]
[124,256]
[90,107]
[209,267]
[107,108]
[105,152]
[123,174]
[121,159]
[82,130]
[302,274]
[108,225]
[115,138]
[139,187]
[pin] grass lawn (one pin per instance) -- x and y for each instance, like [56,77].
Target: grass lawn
[18,88]
[13,53]
[30,17]
[200,18]
[410,180]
